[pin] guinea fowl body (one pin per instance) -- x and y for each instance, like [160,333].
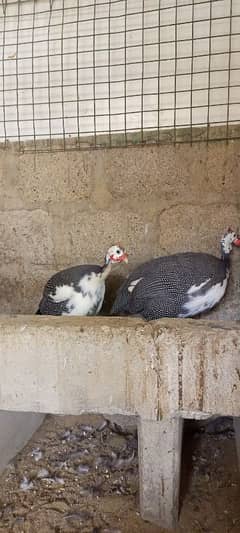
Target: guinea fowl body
[180,285]
[79,290]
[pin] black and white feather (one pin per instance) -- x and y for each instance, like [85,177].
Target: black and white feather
[79,290]
[180,285]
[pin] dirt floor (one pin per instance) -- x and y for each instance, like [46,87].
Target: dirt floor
[81,474]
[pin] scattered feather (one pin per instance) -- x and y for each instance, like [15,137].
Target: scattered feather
[86,428]
[26,484]
[81,516]
[123,462]
[37,454]
[102,426]
[83,468]
[43,473]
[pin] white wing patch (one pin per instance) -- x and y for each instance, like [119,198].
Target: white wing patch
[196,288]
[199,303]
[133,284]
[63,293]
[82,303]
[90,282]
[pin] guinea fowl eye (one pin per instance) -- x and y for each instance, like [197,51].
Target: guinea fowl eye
[118,252]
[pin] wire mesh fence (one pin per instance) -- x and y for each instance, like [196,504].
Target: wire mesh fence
[77,74]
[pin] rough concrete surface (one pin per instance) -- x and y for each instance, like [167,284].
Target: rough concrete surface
[63,208]
[199,367]
[160,448]
[119,365]
[15,431]
[70,366]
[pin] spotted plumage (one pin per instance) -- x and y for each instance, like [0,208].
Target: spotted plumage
[180,285]
[79,290]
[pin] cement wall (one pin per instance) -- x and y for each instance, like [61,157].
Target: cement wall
[63,208]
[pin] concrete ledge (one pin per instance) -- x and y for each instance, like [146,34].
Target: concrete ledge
[15,430]
[119,365]
[199,367]
[73,365]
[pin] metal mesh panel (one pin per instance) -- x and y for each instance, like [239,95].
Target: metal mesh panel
[79,74]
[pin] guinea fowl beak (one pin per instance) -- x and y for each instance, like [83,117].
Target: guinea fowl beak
[125,258]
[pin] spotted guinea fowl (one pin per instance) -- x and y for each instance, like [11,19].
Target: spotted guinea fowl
[180,285]
[79,290]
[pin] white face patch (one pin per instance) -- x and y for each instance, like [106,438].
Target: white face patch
[199,303]
[115,254]
[81,303]
[227,241]
[133,284]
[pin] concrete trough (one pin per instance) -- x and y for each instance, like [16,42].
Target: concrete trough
[162,372]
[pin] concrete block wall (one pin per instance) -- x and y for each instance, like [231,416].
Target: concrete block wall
[63,208]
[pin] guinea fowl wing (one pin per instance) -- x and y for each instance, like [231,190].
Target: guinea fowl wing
[67,278]
[70,276]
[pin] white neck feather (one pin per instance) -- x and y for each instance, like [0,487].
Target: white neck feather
[226,244]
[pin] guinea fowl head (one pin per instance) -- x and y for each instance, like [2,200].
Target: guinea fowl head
[116,254]
[229,239]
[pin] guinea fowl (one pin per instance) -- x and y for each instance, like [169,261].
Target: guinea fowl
[79,290]
[180,285]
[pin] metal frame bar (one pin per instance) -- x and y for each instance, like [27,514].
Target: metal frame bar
[114,98]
